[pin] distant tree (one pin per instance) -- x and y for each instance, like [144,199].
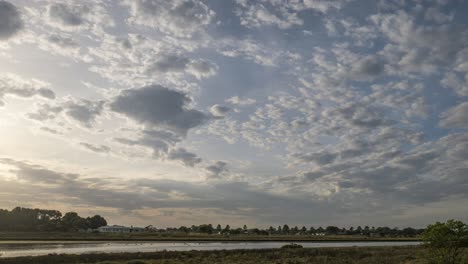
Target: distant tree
[303,230]
[320,230]
[332,230]
[271,230]
[227,229]
[219,228]
[285,229]
[444,241]
[280,230]
[295,229]
[312,230]
[96,221]
[184,229]
[208,229]
[73,222]
[359,230]
[366,230]
[245,227]
[408,232]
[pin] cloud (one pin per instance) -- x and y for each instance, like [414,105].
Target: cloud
[216,170]
[13,85]
[186,157]
[45,112]
[364,116]
[416,48]
[455,117]
[167,118]
[173,63]
[319,158]
[219,110]
[77,15]
[62,41]
[258,15]
[281,14]
[236,100]
[10,20]
[453,81]
[179,17]
[68,15]
[157,106]
[229,198]
[95,148]
[368,68]
[158,140]
[84,111]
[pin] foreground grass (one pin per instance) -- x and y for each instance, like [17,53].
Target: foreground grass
[75,236]
[381,255]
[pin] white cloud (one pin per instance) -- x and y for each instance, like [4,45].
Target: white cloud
[455,117]
[179,17]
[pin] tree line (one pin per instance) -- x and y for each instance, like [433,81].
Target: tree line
[26,219]
[287,230]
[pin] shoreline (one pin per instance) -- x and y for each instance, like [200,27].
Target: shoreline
[148,237]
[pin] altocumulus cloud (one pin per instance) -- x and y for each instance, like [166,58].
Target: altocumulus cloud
[156,106]
[166,116]
[13,85]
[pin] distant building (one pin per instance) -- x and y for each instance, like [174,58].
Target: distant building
[120,229]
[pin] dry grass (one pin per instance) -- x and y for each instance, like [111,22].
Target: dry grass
[381,255]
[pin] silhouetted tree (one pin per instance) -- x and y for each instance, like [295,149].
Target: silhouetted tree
[96,221]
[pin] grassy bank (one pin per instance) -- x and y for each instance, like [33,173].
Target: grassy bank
[408,255]
[72,236]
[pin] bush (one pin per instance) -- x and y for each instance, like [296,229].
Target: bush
[444,241]
[292,245]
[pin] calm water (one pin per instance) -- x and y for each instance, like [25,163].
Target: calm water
[36,248]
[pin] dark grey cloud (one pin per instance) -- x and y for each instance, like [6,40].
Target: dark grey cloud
[159,141]
[186,157]
[216,170]
[84,111]
[10,20]
[313,175]
[68,15]
[158,106]
[162,143]
[368,68]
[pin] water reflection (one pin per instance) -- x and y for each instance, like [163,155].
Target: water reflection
[33,248]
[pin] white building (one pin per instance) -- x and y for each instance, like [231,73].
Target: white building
[120,229]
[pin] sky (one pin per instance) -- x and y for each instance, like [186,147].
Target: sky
[266,112]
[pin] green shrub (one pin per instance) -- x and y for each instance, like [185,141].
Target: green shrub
[444,241]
